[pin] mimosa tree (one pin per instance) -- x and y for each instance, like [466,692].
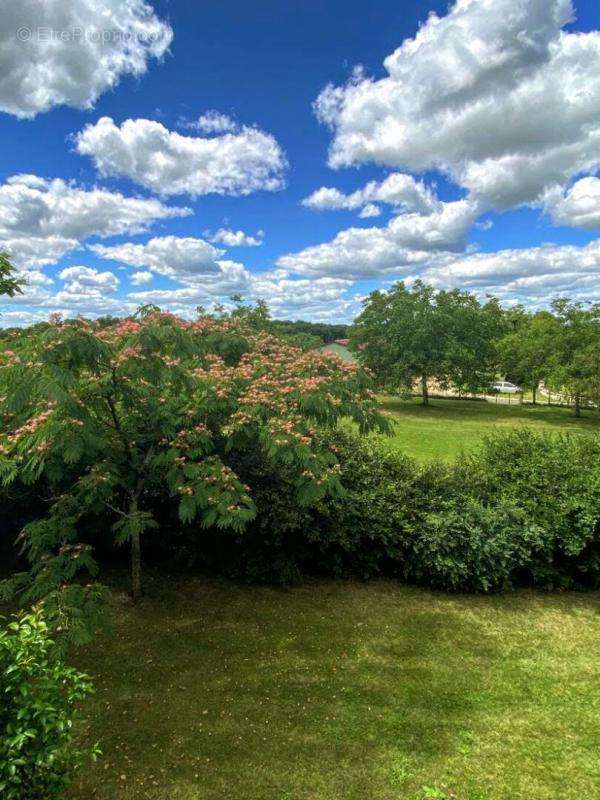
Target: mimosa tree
[156,405]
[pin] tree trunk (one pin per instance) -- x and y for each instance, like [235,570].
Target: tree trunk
[136,557]
[424,390]
[577,406]
[136,567]
[533,393]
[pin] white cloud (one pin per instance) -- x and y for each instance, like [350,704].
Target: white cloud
[578,207]
[292,298]
[195,263]
[168,163]
[231,278]
[141,278]
[30,252]
[22,318]
[68,52]
[369,252]
[401,191]
[232,238]
[321,298]
[82,280]
[86,291]
[495,93]
[214,122]
[370,210]
[530,275]
[41,220]
[173,256]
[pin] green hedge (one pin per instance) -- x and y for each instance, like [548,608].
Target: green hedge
[523,510]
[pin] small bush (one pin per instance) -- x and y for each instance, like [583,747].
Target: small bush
[39,695]
[473,547]
[386,500]
[555,480]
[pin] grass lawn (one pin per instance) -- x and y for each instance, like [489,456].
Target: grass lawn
[345,691]
[445,427]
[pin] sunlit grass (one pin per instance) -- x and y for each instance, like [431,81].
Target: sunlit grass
[332,691]
[446,427]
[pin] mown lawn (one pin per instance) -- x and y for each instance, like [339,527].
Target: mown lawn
[345,691]
[446,427]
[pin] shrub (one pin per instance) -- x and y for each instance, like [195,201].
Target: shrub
[471,547]
[39,696]
[386,500]
[555,480]
[525,508]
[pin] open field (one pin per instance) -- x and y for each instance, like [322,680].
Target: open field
[344,691]
[445,427]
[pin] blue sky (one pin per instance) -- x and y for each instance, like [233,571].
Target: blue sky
[522,188]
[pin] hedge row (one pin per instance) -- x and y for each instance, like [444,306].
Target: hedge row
[523,510]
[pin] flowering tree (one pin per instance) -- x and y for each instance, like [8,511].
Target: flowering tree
[107,415]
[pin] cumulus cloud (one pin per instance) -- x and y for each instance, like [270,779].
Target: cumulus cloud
[370,210]
[178,257]
[530,275]
[323,298]
[79,280]
[195,263]
[141,278]
[31,252]
[399,190]
[477,94]
[41,220]
[232,238]
[86,290]
[168,163]
[230,278]
[68,52]
[214,122]
[369,252]
[311,298]
[578,207]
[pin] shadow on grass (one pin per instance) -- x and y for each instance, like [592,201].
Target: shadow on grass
[218,691]
[487,412]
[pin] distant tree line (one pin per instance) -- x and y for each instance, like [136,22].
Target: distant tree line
[448,338]
[418,334]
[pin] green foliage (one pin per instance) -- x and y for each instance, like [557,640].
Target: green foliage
[39,699]
[319,332]
[555,481]
[119,420]
[574,368]
[525,507]
[560,348]
[527,350]
[513,513]
[470,546]
[405,335]
[9,284]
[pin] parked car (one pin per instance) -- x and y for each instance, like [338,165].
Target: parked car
[506,386]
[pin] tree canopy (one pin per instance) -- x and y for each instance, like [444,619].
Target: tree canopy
[157,407]
[420,334]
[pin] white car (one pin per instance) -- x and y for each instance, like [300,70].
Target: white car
[506,386]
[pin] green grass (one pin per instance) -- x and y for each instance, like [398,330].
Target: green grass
[446,427]
[345,691]
[339,350]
